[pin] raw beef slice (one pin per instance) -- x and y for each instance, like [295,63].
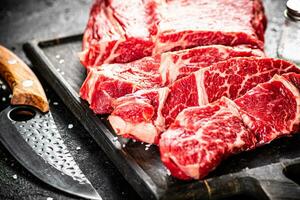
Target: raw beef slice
[123,31]
[117,31]
[140,110]
[104,84]
[201,137]
[184,24]
[271,110]
[231,78]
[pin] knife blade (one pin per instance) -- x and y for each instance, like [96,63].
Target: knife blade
[28,131]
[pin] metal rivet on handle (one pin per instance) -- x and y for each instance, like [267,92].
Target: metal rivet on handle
[27,83]
[12,61]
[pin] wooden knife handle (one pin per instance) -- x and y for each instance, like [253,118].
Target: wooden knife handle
[26,88]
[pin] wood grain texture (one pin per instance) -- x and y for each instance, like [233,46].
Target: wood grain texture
[26,88]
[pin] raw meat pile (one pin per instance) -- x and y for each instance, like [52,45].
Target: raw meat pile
[190,76]
[201,137]
[121,31]
[151,72]
[155,109]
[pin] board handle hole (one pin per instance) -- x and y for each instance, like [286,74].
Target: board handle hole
[293,172]
[21,114]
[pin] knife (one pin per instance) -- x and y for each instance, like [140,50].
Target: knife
[29,133]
